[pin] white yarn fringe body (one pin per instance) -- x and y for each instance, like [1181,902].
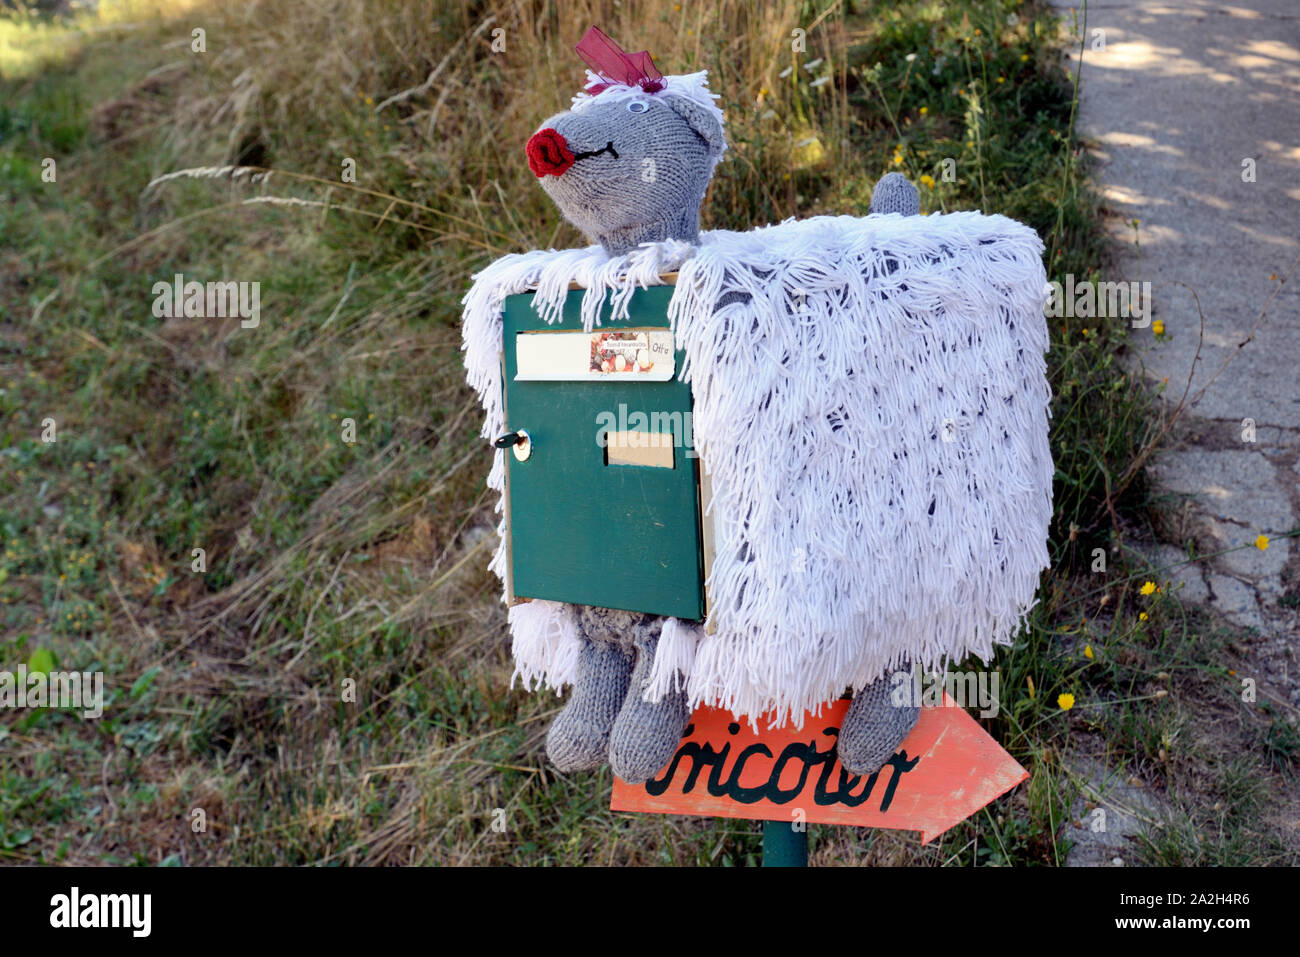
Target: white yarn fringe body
[873,414]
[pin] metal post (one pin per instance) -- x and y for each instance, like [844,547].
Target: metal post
[783,846]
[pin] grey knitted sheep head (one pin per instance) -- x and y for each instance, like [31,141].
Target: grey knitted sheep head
[628,166]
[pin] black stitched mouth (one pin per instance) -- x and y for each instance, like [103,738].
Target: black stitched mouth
[607,148]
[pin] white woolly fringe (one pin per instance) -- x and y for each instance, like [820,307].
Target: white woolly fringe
[545,643]
[822,405]
[674,658]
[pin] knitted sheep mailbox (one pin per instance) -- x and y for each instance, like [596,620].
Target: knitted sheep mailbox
[756,470]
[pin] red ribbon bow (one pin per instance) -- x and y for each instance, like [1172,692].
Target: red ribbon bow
[608,60]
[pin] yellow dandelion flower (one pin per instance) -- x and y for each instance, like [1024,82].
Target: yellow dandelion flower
[925,110]
[1087,652]
[1158,327]
[1024,57]
[1065,701]
[1142,616]
[1148,587]
[1002,79]
[927,180]
[1262,542]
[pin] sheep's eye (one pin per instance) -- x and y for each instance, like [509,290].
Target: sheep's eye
[637,106]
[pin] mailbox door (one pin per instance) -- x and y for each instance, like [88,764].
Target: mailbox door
[584,528]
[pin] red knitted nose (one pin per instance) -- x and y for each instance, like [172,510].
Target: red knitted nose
[548,153]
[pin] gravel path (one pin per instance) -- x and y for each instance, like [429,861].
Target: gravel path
[1193,110]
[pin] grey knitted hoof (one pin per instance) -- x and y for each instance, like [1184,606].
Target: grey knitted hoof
[873,728]
[646,735]
[894,194]
[579,737]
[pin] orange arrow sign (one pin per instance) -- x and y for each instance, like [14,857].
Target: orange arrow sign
[946,770]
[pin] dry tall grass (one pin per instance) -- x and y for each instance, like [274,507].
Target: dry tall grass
[466,84]
[365,565]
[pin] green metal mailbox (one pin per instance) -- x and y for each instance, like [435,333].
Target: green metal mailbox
[602,481]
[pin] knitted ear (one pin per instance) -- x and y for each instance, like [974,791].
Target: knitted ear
[894,194]
[703,122]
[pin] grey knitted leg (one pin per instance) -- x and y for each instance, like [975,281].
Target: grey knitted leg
[646,735]
[579,737]
[894,194]
[874,727]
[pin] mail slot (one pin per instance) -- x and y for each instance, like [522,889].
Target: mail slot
[605,507]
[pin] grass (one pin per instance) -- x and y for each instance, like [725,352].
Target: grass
[330,687]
